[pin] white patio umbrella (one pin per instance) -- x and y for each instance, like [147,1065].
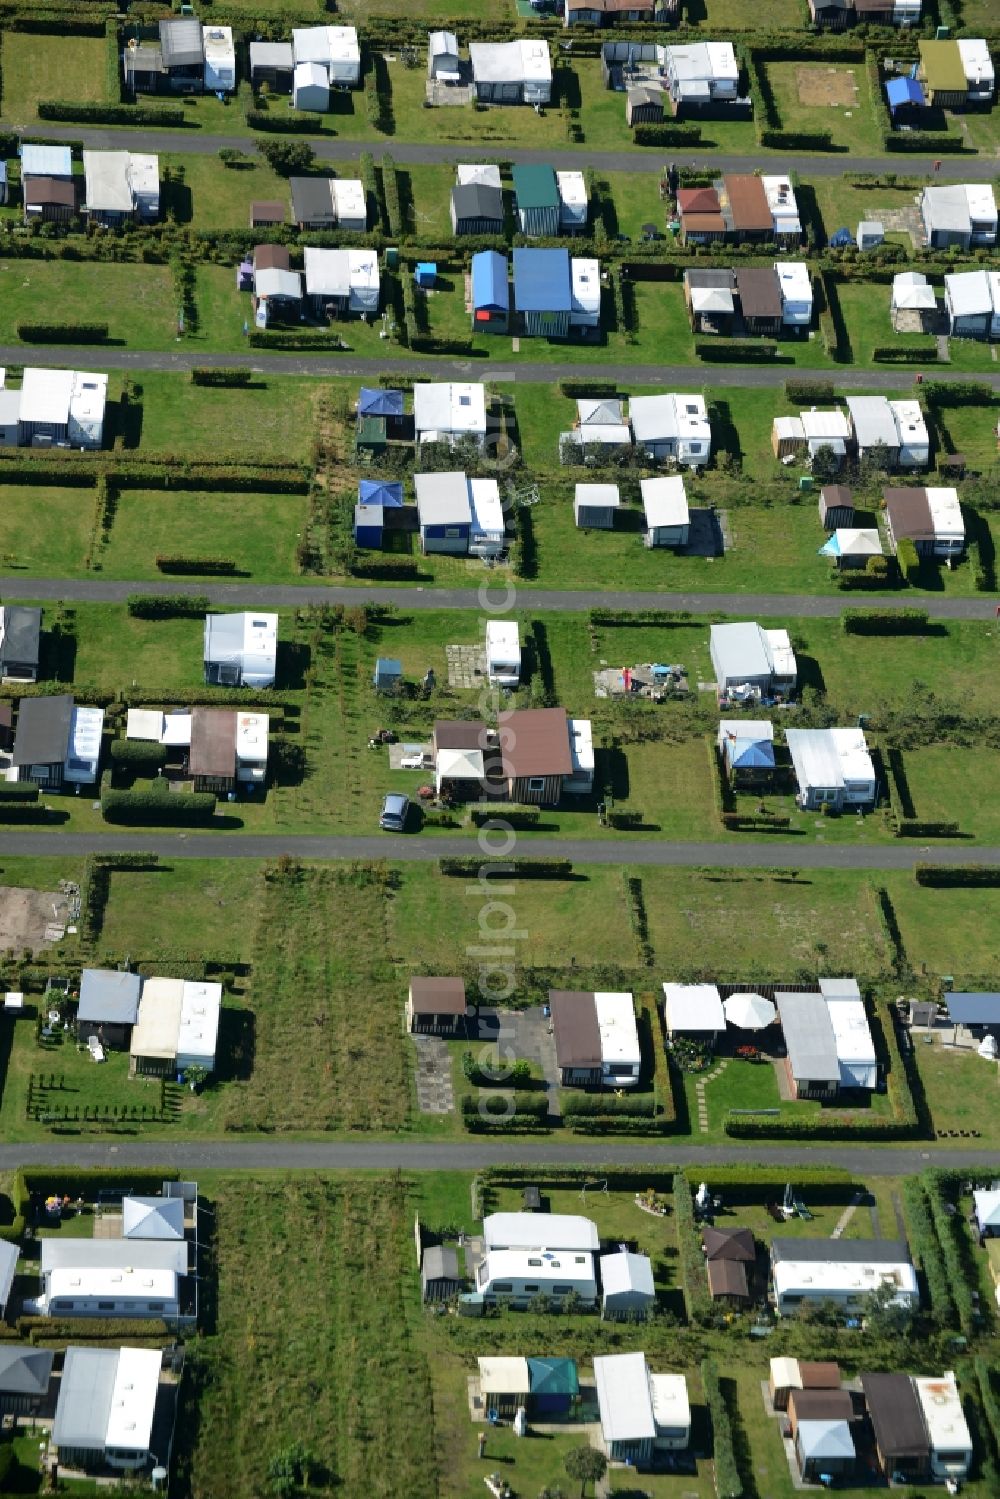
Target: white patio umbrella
[749,1012]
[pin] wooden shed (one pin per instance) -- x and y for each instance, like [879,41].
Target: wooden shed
[788,438]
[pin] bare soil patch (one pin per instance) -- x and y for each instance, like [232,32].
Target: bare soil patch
[819,87]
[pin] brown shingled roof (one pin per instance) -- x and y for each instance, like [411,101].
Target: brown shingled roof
[271,258]
[909,513]
[728,1278]
[50,190]
[759,291]
[437,996]
[535,742]
[698,200]
[268,211]
[821,1405]
[729,1244]
[574,1024]
[747,201]
[213,742]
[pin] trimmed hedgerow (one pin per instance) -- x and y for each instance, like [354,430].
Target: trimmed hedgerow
[62,333]
[157,807]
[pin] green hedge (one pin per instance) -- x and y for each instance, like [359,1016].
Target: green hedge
[628,1105]
[316,341]
[751,822]
[955,875]
[23,812]
[686,133]
[531,1111]
[809,392]
[89,1181]
[926,1251]
[916,827]
[736,350]
[18,791]
[202,565]
[952,1237]
[884,621]
[137,115]
[288,122]
[46,1331]
[168,605]
[516,869]
[908,559]
[697,1301]
[62,333]
[138,753]
[158,808]
[751,1182]
[796,140]
[925,353]
[728,1484]
[517,816]
[95,888]
[202,375]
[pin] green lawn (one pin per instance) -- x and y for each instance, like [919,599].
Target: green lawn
[208,195]
[739,926]
[321,1059]
[59,546]
[177,913]
[962,1089]
[296,1309]
[842,206]
[258,532]
[948,931]
[136,301]
[273,418]
[934,772]
[801,90]
[50,67]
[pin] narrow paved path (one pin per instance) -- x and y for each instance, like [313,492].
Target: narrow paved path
[962,168]
[864,1161]
[542,600]
[504,369]
[784,853]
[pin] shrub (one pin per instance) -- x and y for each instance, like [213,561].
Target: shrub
[884,621]
[287,158]
[136,115]
[138,754]
[728,1484]
[168,605]
[195,564]
[736,350]
[516,869]
[809,392]
[18,791]
[518,817]
[956,875]
[62,333]
[158,807]
[220,376]
[925,353]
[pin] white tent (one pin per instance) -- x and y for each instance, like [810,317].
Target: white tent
[749,1012]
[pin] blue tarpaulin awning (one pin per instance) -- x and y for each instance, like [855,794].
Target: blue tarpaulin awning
[380,402]
[752,754]
[377,492]
[841,237]
[542,281]
[903,91]
[489,282]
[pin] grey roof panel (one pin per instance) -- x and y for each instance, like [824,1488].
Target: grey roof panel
[841,1251]
[25,1371]
[115,1254]
[43,725]
[107,995]
[809,1037]
[181,42]
[85,1392]
[22,628]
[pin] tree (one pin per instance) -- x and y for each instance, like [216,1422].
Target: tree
[883,1317]
[586,1464]
[292,1469]
[825,464]
[287,158]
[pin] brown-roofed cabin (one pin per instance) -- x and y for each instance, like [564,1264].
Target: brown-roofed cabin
[908,513]
[788,1374]
[212,762]
[730,1255]
[535,754]
[748,209]
[436,1006]
[759,292]
[49,199]
[819,1405]
[901,1439]
[836,506]
[577,1037]
[728,1282]
[271,258]
[700,215]
[265,212]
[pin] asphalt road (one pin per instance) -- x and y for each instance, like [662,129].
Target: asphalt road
[865,1161]
[963,168]
[507,370]
[790,854]
[542,600]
